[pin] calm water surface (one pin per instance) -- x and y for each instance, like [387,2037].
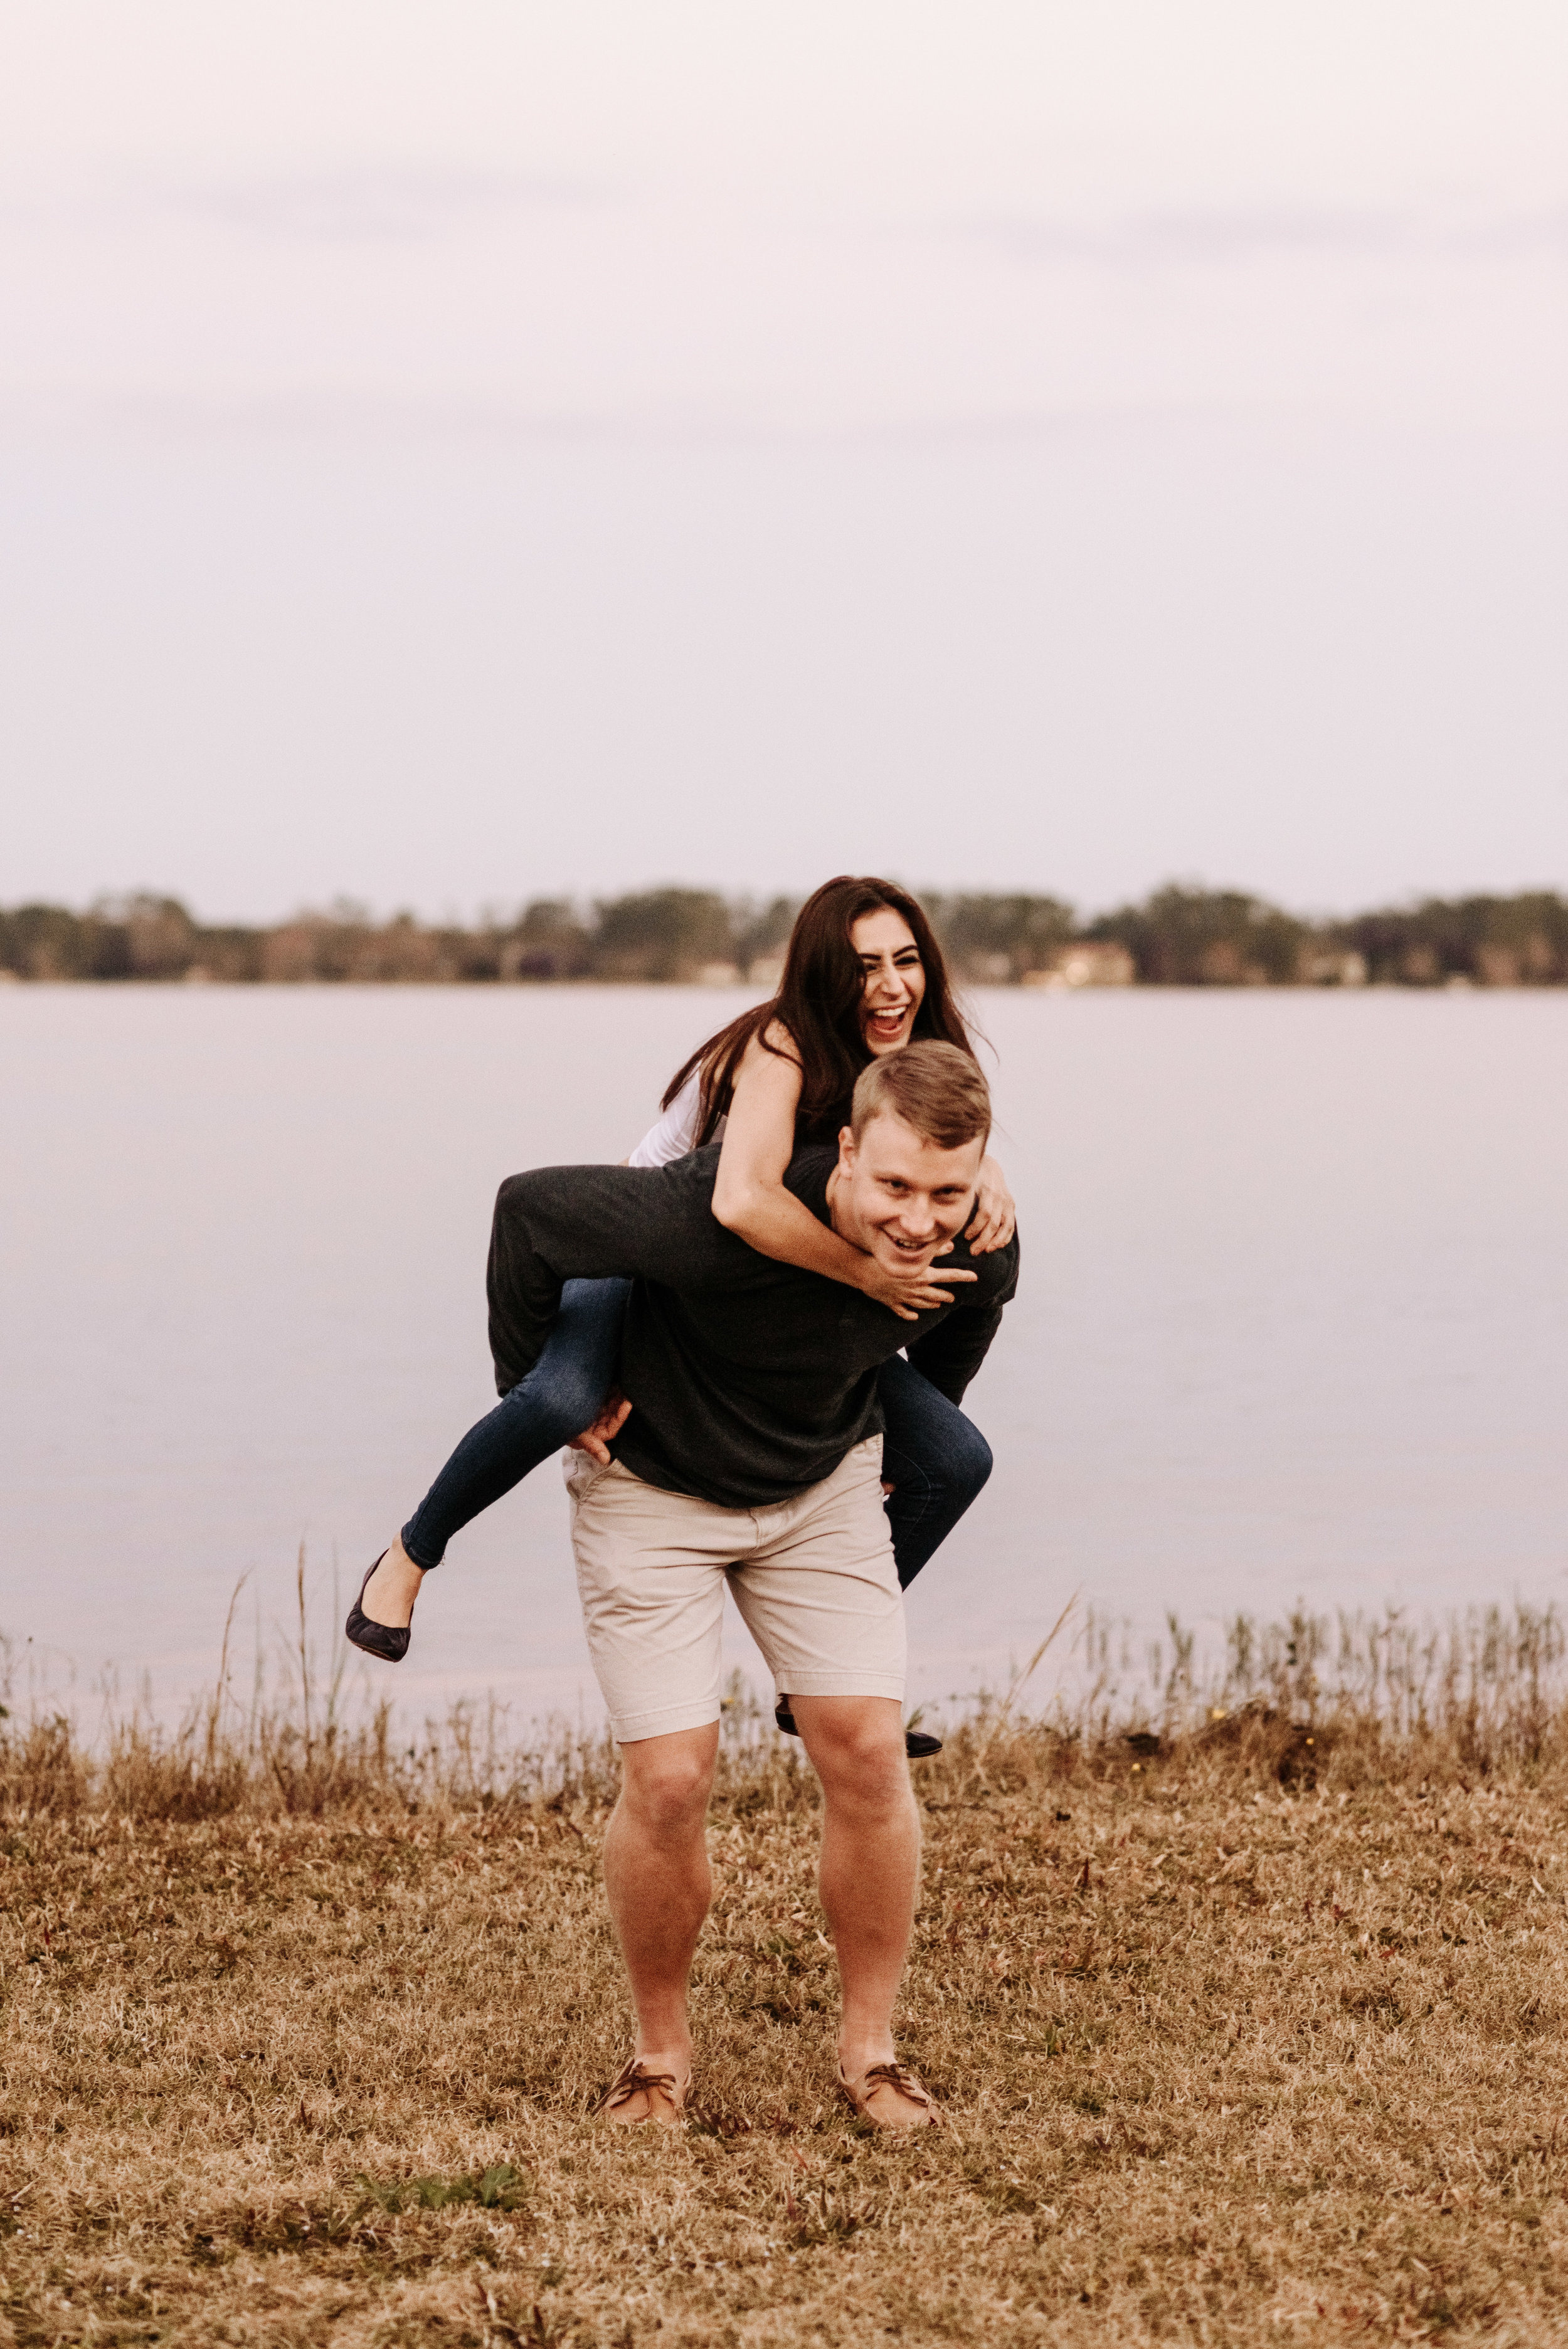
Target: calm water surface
[1293,1319]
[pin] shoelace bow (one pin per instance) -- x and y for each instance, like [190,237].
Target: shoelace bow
[634,2077]
[893,2075]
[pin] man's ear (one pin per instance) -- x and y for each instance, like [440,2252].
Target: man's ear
[846,1149]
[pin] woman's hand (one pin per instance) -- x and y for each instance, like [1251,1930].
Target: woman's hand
[911,1294]
[994,1219]
[595,1440]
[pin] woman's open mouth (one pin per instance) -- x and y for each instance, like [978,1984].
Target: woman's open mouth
[885,1026]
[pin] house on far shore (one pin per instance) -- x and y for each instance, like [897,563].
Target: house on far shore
[1334,966]
[1089,962]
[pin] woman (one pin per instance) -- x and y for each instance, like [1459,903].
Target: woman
[862,974]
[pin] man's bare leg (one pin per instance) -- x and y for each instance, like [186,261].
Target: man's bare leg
[656,1878]
[390,1593]
[871,1863]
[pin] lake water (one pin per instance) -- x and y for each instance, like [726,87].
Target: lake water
[1293,1319]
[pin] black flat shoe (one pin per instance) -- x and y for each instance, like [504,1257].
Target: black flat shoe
[918,1743]
[387,1640]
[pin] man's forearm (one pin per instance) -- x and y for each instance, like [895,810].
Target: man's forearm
[951,1354]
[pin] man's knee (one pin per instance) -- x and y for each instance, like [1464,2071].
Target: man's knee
[667,1782]
[856,1744]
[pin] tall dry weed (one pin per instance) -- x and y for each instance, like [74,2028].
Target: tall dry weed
[1488,1686]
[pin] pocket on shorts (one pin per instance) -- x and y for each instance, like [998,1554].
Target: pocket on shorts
[863,1459]
[580,1472]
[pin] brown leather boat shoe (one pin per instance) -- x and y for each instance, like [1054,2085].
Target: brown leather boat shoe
[879,2091]
[639,2095]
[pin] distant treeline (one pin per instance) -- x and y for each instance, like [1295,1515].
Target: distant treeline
[1180,936]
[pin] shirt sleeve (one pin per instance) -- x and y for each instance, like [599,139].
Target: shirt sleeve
[951,1353]
[675,1132]
[589,1223]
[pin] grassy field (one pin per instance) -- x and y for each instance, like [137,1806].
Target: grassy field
[1248,2034]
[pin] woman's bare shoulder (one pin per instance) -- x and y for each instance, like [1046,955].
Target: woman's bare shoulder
[768,1046]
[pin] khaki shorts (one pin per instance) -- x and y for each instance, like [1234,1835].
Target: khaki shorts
[813,1578]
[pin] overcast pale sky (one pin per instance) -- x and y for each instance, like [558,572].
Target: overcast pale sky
[454,454]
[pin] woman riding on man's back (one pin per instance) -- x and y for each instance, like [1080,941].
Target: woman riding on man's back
[863,974]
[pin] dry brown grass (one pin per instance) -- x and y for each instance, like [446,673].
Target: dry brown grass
[1248,2039]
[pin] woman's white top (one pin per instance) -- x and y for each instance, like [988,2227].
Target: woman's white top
[675,1132]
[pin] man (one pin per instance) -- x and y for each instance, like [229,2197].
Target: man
[751,1458]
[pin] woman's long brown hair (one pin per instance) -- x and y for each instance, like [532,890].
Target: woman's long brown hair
[819,1001]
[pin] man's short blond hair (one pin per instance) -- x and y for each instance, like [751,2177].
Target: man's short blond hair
[934,1088]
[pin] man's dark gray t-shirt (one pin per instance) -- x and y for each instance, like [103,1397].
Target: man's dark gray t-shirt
[749,1380]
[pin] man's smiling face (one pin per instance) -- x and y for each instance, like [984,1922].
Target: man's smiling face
[898,1196]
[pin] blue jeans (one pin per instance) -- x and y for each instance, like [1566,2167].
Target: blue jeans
[934,1459]
[557,1399]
